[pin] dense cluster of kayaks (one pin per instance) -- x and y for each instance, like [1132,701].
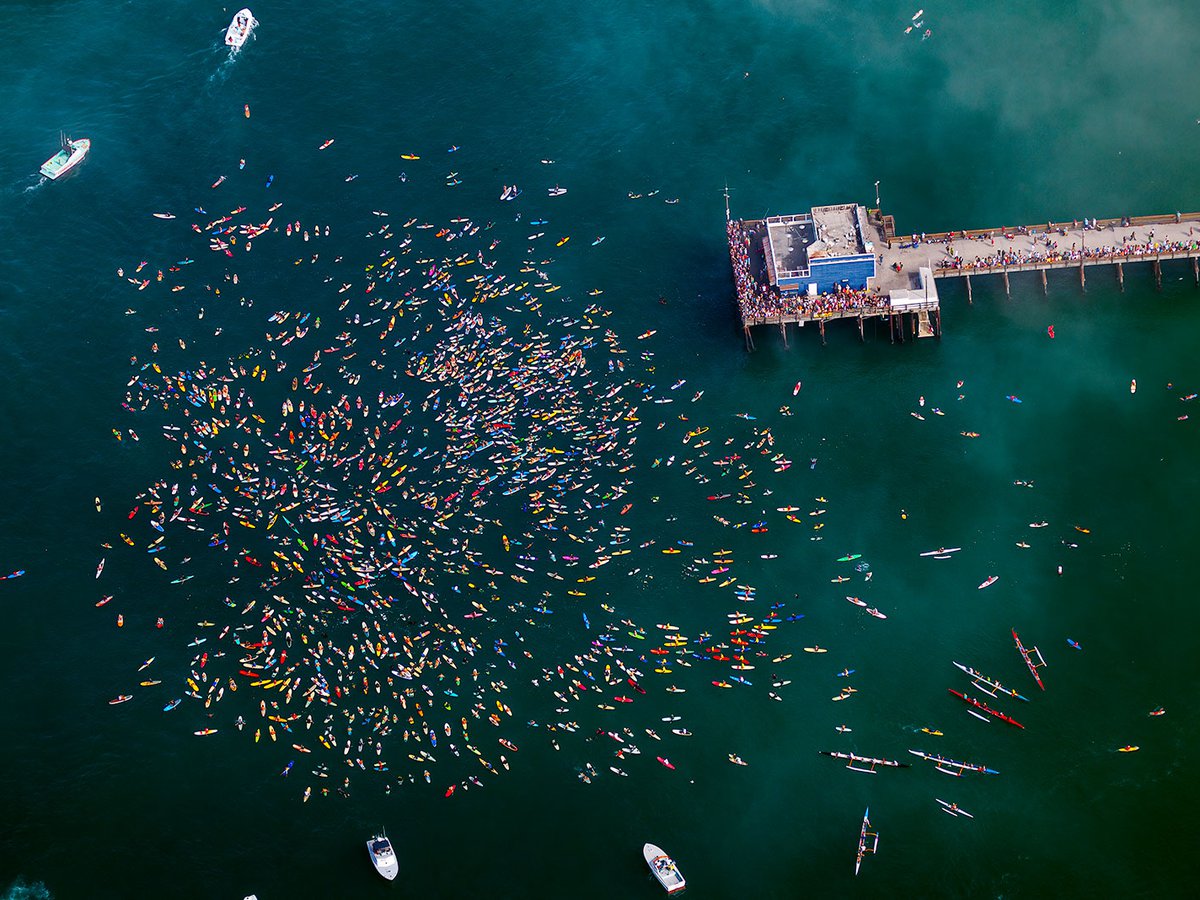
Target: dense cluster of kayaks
[367,619]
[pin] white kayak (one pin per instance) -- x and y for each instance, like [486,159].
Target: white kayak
[952,809]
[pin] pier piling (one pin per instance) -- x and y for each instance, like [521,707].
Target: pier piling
[1007,291]
[1121,276]
[1157,273]
[1044,288]
[1196,270]
[1082,277]
[971,303]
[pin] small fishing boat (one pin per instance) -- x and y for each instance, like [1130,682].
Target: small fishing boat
[239,29]
[383,857]
[71,155]
[664,869]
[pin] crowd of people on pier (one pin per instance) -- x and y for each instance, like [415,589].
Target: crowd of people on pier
[1046,249]
[758,300]
[755,297]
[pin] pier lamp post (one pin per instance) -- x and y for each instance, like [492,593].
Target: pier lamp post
[877,195]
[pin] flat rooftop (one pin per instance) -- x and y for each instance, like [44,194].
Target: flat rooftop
[836,231]
[790,239]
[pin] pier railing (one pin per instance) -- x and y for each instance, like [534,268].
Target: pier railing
[1043,227]
[875,309]
[1102,259]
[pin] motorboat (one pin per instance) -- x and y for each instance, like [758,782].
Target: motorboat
[664,869]
[71,155]
[239,29]
[383,857]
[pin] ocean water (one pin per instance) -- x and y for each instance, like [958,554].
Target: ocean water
[1006,114]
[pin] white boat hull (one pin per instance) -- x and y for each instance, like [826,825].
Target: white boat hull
[239,29]
[67,159]
[383,857]
[664,869]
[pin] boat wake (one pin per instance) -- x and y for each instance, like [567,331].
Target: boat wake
[223,69]
[41,180]
[25,890]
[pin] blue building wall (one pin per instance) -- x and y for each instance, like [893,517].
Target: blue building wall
[852,270]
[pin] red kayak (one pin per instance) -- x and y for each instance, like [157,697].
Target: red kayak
[983,707]
[666,762]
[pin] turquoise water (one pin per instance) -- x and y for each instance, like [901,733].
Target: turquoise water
[1006,114]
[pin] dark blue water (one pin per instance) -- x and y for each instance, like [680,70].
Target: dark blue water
[1005,114]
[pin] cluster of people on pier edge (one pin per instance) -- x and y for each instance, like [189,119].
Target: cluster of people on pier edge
[751,292]
[759,300]
[800,305]
[1049,251]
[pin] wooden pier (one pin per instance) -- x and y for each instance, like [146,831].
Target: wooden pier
[902,288]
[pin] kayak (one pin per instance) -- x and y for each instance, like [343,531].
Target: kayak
[952,809]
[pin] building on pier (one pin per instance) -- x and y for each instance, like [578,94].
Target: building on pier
[819,252]
[825,264]
[847,262]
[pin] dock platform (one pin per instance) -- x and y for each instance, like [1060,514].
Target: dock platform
[848,262]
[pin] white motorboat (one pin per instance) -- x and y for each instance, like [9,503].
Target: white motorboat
[664,869]
[239,29]
[383,857]
[71,155]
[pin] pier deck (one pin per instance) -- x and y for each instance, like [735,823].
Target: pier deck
[907,266]
[1049,245]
